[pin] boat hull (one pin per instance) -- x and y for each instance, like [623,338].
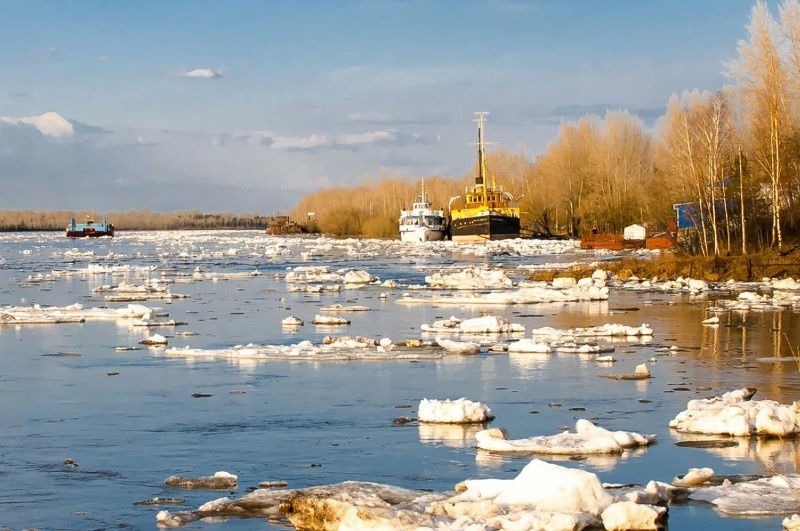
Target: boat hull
[89,233]
[486,227]
[422,234]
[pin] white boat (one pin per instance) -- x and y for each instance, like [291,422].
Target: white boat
[422,223]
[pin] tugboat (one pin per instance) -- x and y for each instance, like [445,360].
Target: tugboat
[486,211]
[422,223]
[89,228]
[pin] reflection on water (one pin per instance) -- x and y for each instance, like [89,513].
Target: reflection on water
[596,462]
[776,455]
[454,435]
[530,364]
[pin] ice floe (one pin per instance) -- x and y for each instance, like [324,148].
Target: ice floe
[640,373]
[461,411]
[525,295]
[471,278]
[771,496]
[542,496]
[458,347]
[488,324]
[77,312]
[694,477]
[341,308]
[605,330]
[291,321]
[528,345]
[329,320]
[220,480]
[323,274]
[587,439]
[155,339]
[733,413]
[332,349]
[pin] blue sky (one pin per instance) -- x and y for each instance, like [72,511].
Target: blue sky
[244,106]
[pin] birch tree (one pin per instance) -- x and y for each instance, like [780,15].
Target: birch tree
[762,76]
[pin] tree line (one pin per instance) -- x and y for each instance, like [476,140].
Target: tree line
[732,156]
[144,219]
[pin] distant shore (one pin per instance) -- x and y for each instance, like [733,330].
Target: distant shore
[31,220]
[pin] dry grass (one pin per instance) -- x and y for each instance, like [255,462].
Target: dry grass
[670,266]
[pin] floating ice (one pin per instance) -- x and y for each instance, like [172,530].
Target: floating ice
[587,439]
[155,339]
[527,295]
[543,496]
[527,345]
[711,321]
[329,320]
[694,477]
[75,313]
[627,515]
[220,480]
[471,278]
[333,349]
[771,496]
[340,308]
[461,411]
[606,330]
[292,321]
[734,413]
[640,373]
[458,347]
[358,277]
[488,324]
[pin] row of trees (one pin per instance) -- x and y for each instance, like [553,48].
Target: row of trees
[145,219]
[733,155]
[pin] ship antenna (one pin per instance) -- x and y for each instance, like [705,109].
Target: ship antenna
[424,199]
[481,178]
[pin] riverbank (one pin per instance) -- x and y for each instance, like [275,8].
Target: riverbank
[749,267]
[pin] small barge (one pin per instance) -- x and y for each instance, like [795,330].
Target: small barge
[89,229]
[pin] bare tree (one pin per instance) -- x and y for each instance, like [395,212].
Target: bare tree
[763,76]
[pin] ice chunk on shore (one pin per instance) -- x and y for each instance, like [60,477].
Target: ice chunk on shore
[791,523]
[461,411]
[587,439]
[734,413]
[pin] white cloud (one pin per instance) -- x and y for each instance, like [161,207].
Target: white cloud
[367,138]
[49,124]
[201,73]
[298,143]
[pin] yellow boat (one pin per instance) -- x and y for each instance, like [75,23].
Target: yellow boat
[485,211]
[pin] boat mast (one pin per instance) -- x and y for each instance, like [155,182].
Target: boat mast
[481,178]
